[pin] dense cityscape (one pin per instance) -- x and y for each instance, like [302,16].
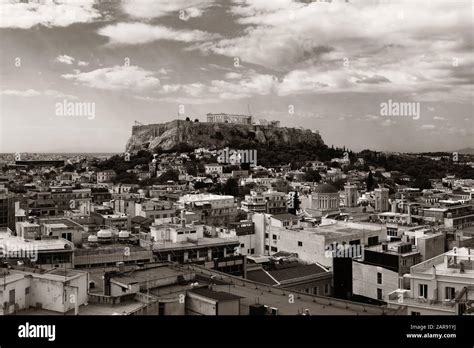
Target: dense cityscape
[207,172]
[166,233]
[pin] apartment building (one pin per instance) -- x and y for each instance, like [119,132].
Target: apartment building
[442,285]
[7,209]
[212,209]
[50,291]
[313,244]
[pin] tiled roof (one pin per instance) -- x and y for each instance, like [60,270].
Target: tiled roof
[215,295]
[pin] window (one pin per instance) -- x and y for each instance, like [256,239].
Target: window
[242,245]
[274,237]
[266,247]
[27,290]
[423,290]
[266,235]
[252,251]
[379,278]
[450,293]
[316,290]
[300,243]
[326,289]
[274,249]
[11,297]
[161,308]
[379,295]
[392,232]
[415,313]
[373,240]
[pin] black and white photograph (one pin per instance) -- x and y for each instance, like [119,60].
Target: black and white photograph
[218,172]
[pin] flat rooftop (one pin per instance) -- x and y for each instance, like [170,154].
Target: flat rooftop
[59,275]
[32,244]
[203,197]
[87,249]
[56,225]
[256,293]
[143,275]
[341,229]
[28,224]
[58,221]
[219,296]
[449,263]
[392,248]
[199,243]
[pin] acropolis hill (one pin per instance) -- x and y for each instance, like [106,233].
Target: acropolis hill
[167,136]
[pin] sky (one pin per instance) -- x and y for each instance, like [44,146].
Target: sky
[326,66]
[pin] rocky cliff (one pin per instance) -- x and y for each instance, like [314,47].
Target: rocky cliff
[167,136]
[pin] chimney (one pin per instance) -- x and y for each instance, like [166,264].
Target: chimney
[183,220]
[121,266]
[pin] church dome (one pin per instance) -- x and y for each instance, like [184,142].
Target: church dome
[325,188]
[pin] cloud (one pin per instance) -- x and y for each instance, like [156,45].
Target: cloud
[21,93]
[233,75]
[65,59]
[438,118]
[28,93]
[388,123]
[185,100]
[140,33]
[254,84]
[376,79]
[60,13]
[428,127]
[250,84]
[116,78]
[164,71]
[341,46]
[154,9]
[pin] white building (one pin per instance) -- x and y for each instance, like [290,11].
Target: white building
[213,168]
[212,209]
[55,290]
[438,286]
[312,244]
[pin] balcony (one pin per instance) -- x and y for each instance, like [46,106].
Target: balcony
[402,297]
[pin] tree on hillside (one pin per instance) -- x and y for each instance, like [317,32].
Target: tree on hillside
[231,187]
[295,203]
[170,174]
[370,182]
[312,175]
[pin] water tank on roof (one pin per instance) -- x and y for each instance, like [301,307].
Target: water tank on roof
[104,234]
[124,235]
